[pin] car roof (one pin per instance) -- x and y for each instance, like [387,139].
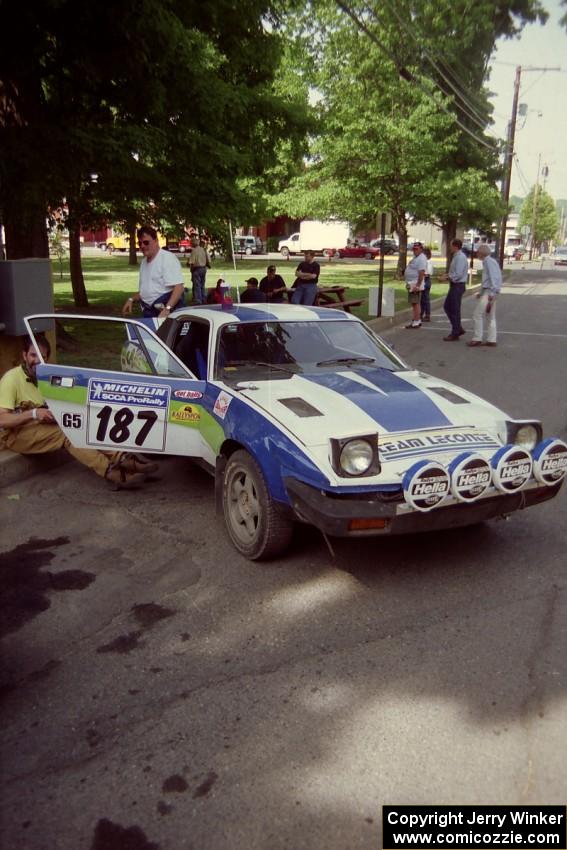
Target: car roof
[217,315]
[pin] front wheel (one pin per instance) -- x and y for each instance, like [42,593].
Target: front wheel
[110,248]
[285,253]
[257,526]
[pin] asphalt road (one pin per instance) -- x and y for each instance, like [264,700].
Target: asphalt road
[162,692]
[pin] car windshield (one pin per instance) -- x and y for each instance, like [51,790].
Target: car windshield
[279,350]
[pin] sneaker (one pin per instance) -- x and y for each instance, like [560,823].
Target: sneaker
[119,479]
[413,325]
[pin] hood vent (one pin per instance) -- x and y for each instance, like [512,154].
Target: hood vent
[300,407]
[449,395]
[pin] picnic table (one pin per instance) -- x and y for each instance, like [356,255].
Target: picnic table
[334,296]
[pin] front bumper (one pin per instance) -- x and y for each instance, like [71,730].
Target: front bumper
[333,514]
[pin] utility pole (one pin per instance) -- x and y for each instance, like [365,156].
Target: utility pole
[534,208]
[509,156]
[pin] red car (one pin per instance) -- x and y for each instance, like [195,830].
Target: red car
[362,251]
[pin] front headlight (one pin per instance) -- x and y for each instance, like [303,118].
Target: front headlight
[356,456]
[524,434]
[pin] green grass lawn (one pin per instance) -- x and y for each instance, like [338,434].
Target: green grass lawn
[109,281]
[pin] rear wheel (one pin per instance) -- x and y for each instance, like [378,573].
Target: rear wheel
[109,248]
[258,528]
[248,252]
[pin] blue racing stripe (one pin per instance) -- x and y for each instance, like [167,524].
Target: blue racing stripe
[404,407]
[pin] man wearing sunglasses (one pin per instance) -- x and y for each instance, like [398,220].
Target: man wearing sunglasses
[161,279]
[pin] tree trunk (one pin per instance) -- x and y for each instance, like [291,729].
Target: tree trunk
[402,230]
[26,233]
[132,256]
[449,233]
[77,279]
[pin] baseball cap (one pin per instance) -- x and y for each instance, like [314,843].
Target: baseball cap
[417,245]
[253,280]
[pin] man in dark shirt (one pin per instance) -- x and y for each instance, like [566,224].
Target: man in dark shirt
[273,285]
[252,294]
[307,275]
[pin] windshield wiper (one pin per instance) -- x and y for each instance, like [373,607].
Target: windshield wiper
[346,360]
[259,363]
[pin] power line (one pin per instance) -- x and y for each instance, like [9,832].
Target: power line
[408,77]
[473,115]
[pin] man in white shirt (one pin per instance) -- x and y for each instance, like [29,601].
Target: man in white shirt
[457,276]
[161,279]
[486,305]
[414,276]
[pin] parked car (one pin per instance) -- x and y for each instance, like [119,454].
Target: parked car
[357,250]
[560,256]
[248,245]
[390,246]
[301,414]
[467,248]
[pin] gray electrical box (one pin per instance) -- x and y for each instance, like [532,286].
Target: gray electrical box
[25,288]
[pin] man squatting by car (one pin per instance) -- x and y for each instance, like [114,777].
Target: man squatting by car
[28,427]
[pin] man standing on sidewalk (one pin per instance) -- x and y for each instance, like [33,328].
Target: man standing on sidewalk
[457,276]
[486,305]
[199,262]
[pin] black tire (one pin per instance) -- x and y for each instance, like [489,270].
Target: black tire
[285,253]
[110,248]
[338,255]
[258,528]
[248,252]
[368,256]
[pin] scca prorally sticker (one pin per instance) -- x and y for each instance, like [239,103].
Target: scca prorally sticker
[511,468]
[125,392]
[187,413]
[471,476]
[187,394]
[222,404]
[426,485]
[550,461]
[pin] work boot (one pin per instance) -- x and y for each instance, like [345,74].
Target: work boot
[133,464]
[119,479]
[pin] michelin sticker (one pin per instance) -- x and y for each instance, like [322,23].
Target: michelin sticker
[426,485]
[550,462]
[127,415]
[471,476]
[222,404]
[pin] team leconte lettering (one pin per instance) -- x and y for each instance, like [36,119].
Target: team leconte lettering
[395,446]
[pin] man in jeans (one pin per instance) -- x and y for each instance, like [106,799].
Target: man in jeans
[457,276]
[199,262]
[307,275]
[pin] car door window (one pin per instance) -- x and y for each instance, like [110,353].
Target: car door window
[192,347]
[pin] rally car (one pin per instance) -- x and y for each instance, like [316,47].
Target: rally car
[301,414]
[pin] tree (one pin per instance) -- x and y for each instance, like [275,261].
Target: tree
[545,219]
[169,115]
[402,110]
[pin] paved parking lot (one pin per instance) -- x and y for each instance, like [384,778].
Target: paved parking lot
[161,691]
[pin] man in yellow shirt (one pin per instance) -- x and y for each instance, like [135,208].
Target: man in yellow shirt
[27,426]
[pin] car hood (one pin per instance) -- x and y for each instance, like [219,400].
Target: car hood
[321,405]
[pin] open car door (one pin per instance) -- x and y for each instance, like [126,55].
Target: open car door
[117,386]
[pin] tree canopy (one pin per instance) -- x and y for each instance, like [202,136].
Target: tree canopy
[545,224]
[136,107]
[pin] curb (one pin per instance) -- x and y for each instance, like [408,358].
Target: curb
[383,324]
[15,468]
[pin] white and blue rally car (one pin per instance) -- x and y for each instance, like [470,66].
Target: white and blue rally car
[302,414]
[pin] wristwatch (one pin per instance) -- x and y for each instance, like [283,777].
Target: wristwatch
[167,307]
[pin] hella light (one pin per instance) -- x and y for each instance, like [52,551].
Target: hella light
[524,434]
[356,456]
